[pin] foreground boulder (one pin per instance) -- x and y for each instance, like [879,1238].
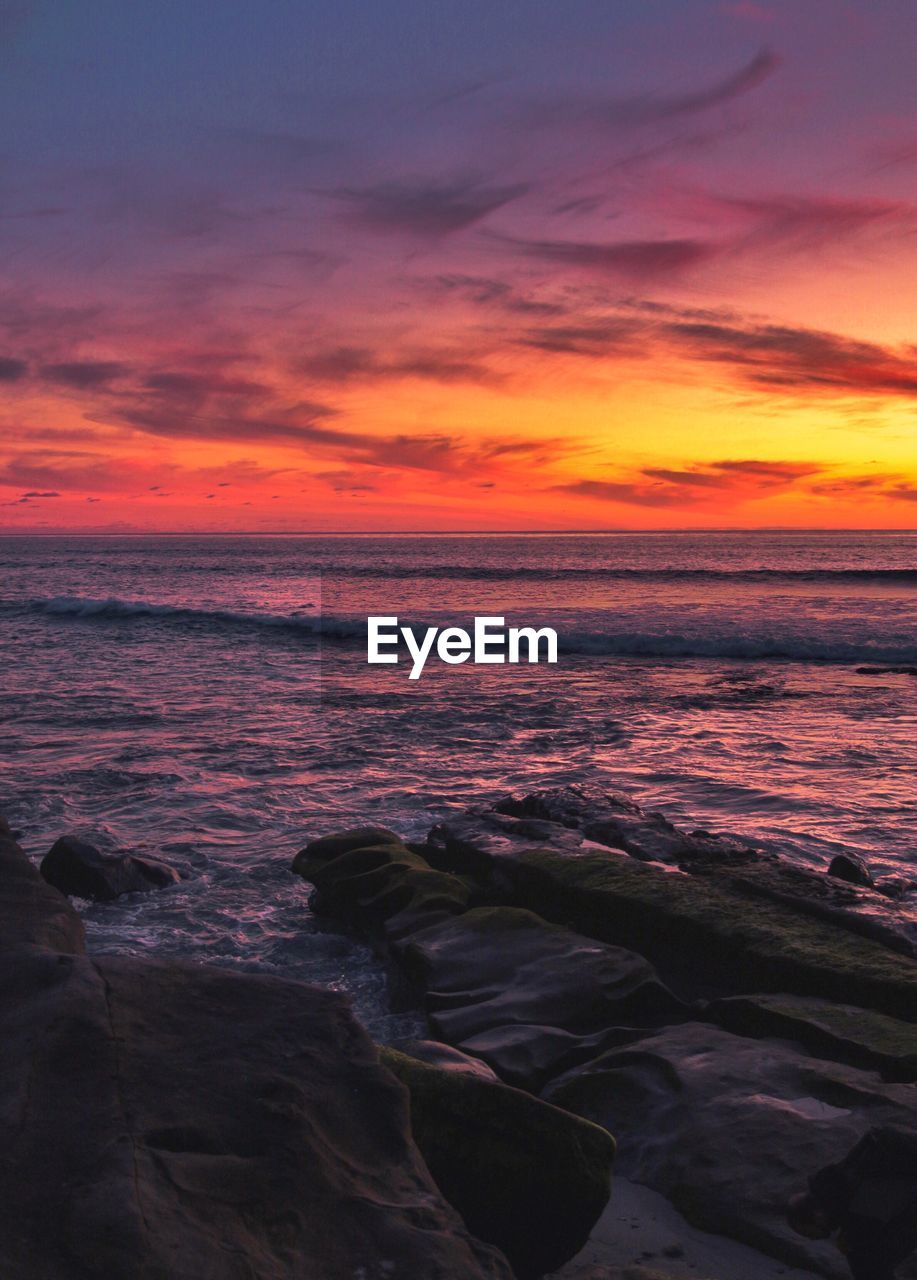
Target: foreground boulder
[730,1128]
[525,1176]
[80,870]
[166,1121]
[169,1120]
[33,916]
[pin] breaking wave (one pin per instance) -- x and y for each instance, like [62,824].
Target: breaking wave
[715,640]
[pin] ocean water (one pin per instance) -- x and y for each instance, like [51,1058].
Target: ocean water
[208,699]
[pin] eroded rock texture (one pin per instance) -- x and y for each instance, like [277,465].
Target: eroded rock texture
[163,1121]
[736,1022]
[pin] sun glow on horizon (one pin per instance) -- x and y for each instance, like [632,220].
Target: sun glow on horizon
[679,299]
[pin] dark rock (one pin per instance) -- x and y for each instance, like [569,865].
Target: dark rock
[723,933]
[381,887]
[168,1120]
[895,886]
[32,914]
[563,818]
[840,1032]
[447,1058]
[501,984]
[812,893]
[327,847]
[529,997]
[477,841]
[729,1128]
[632,1271]
[886,671]
[578,819]
[567,819]
[525,1176]
[82,871]
[851,868]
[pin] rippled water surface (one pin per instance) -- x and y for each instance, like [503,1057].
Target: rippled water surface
[175,694]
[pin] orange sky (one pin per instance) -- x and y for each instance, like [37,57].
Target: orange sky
[676,291]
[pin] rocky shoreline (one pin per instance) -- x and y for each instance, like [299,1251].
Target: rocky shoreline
[586,970]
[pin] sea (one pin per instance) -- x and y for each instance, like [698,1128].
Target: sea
[207,700]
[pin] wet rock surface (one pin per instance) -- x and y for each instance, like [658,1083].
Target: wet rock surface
[729,1128]
[382,887]
[447,1058]
[852,868]
[528,997]
[33,916]
[737,1022]
[79,870]
[842,1033]
[525,1176]
[714,933]
[581,819]
[163,1120]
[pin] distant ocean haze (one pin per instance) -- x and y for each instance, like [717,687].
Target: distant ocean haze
[210,698]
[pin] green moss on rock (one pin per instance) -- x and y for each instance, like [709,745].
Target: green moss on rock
[840,1032]
[720,933]
[327,847]
[525,1176]
[381,886]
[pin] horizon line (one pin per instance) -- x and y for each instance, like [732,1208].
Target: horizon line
[446,533]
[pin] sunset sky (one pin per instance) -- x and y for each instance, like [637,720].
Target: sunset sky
[410,264]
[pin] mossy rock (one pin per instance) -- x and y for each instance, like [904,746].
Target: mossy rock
[327,847]
[379,887]
[525,1176]
[840,1032]
[723,935]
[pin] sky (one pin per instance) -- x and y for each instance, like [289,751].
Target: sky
[419,265]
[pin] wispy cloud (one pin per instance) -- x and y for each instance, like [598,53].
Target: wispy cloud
[767,472]
[12,370]
[428,207]
[351,364]
[894,488]
[635,259]
[652,107]
[807,360]
[84,374]
[712,483]
[693,479]
[626,492]
[58,471]
[801,223]
[588,338]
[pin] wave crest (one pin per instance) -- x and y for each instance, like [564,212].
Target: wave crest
[718,640]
